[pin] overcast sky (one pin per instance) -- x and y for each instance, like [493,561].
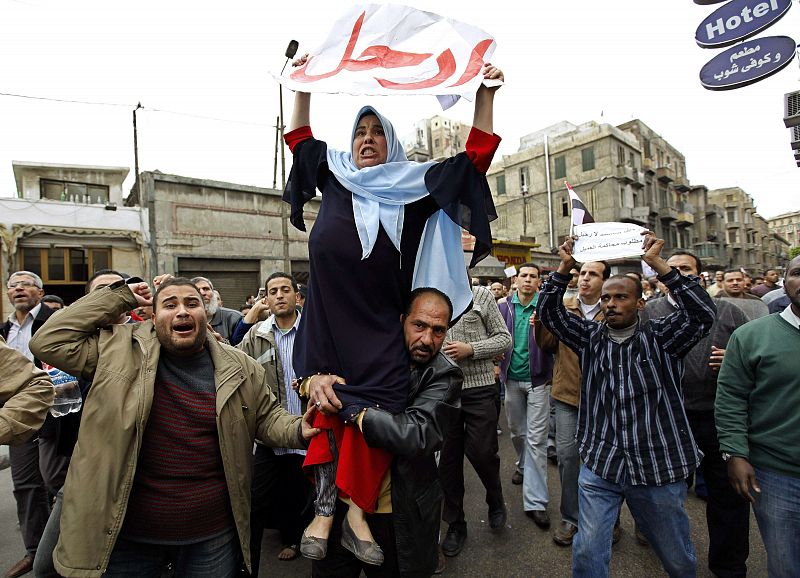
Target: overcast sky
[578,61]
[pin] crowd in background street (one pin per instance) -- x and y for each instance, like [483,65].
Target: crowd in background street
[726,366]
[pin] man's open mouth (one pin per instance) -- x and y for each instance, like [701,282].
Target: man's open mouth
[183,328]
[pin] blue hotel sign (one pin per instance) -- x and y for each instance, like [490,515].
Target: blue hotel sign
[748,62]
[739,19]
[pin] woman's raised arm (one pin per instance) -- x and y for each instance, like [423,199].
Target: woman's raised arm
[484,100]
[301,113]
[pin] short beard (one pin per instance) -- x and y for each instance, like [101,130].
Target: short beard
[213,306]
[24,307]
[188,349]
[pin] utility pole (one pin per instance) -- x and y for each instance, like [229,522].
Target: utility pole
[136,155]
[291,50]
[144,199]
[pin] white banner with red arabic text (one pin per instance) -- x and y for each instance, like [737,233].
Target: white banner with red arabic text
[384,49]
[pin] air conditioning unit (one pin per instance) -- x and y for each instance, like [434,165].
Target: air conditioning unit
[524,189]
[795,130]
[791,109]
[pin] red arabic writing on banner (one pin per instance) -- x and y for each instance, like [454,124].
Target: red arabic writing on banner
[380,56]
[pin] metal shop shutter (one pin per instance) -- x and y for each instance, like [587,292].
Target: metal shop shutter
[235,279]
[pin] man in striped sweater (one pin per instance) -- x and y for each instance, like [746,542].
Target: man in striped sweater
[633,434]
[478,337]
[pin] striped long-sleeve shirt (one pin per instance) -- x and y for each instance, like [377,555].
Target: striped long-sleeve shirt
[631,421]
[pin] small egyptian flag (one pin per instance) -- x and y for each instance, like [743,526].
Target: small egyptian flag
[580,214]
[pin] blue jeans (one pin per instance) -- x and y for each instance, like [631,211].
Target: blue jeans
[777,510]
[528,412]
[569,462]
[43,566]
[213,558]
[659,513]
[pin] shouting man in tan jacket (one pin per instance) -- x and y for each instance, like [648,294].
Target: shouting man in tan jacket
[162,467]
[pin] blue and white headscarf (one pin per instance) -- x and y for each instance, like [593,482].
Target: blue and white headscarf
[380,194]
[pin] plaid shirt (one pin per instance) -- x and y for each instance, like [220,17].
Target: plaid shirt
[631,421]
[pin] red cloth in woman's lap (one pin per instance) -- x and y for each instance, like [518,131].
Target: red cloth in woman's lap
[361,468]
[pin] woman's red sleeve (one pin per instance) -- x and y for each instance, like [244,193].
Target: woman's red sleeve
[481,147]
[296,136]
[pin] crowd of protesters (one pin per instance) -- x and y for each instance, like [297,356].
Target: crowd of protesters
[706,392]
[179,429]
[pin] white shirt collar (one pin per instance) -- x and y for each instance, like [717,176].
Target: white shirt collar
[790,317]
[271,325]
[588,308]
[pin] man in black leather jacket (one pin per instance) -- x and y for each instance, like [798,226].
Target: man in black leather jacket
[408,535]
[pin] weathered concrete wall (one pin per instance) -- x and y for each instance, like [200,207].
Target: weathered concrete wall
[215,220]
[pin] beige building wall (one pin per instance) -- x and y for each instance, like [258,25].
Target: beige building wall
[608,169]
[228,232]
[436,138]
[750,243]
[787,226]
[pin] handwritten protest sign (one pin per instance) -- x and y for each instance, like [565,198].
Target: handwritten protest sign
[392,49]
[601,241]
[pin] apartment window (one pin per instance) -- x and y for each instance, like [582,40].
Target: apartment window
[731,216]
[631,160]
[524,179]
[663,197]
[729,199]
[587,159]
[560,167]
[63,265]
[621,196]
[73,192]
[565,206]
[635,195]
[437,143]
[620,155]
[500,184]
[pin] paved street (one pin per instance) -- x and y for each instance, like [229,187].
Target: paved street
[522,550]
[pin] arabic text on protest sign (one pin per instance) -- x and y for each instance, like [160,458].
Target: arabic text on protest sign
[388,49]
[601,241]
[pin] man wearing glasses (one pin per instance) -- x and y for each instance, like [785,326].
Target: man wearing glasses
[35,465]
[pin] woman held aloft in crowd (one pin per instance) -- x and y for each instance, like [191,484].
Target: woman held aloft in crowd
[385,226]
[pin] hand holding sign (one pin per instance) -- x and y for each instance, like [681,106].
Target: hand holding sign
[652,253]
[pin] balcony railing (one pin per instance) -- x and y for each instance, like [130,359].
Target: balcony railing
[708,250]
[667,213]
[681,184]
[685,214]
[665,174]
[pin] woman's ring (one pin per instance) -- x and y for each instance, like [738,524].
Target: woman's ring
[319,403]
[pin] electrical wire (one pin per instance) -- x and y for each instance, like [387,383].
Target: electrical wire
[147,108]
[65,100]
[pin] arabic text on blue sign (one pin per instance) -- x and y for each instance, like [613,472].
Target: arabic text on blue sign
[747,62]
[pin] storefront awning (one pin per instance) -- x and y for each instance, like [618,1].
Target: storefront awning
[488,267]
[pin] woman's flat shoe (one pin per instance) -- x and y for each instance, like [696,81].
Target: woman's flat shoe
[367,552]
[313,547]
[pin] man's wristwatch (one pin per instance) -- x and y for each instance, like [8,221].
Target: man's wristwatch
[726,456]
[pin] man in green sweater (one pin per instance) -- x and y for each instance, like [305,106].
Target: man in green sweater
[758,424]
